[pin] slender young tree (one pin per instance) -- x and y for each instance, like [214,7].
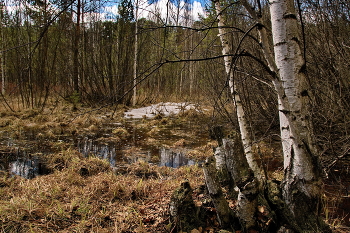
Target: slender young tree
[242,120]
[2,57]
[134,100]
[76,45]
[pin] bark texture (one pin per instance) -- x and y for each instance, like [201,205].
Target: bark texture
[302,184]
[246,182]
[253,161]
[224,213]
[238,167]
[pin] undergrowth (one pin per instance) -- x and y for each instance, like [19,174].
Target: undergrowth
[86,195]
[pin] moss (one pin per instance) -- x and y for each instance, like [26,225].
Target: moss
[183,210]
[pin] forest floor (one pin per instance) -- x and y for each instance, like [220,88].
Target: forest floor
[82,192]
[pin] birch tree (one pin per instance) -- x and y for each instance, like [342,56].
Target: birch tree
[243,161]
[134,100]
[302,185]
[242,121]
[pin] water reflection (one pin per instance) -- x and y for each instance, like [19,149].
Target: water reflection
[104,151]
[116,153]
[27,167]
[171,158]
[23,164]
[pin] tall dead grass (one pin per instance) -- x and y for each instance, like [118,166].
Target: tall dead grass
[86,195]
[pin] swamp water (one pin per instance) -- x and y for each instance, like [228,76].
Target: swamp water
[138,145]
[23,164]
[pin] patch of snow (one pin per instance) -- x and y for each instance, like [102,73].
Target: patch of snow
[164,109]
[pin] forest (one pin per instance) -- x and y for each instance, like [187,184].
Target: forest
[164,117]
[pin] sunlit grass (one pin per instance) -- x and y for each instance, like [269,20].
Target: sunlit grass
[97,198]
[86,194]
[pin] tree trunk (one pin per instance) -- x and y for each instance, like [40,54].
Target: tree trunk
[247,202]
[242,121]
[134,100]
[245,180]
[302,184]
[76,50]
[2,58]
[224,213]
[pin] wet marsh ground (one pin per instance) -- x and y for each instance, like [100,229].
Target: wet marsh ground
[79,171]
[97,171]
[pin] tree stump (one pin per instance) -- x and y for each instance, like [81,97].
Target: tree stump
[183,212]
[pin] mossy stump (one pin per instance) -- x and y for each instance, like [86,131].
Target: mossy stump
[183,212]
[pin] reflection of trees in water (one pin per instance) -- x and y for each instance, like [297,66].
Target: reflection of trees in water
[168,157]
[31,166]
[27,168]
[173,159]
[87,147]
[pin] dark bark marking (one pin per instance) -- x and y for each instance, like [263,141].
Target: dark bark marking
[280,43]
[303,68]
[296,39]
[285,128]
[284,111]
[290,16]
[259,26]
[304,93]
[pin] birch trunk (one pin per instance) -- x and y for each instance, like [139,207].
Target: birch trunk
[246,182]
[76,49]
[302,183]
[2,61]
[243,125]
[134,100]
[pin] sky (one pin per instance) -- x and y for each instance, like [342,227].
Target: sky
[164,7]
[109,9]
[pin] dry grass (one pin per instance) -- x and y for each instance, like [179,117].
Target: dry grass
[52,124]
[203,152]
[84,194]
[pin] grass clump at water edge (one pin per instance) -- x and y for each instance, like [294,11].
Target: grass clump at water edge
[85,194]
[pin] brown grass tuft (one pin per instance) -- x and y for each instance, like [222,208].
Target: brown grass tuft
[85,195]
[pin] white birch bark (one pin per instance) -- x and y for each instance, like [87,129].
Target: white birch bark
[243,125]
[294,117]
[302,183]
[134,100]
[2,59]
